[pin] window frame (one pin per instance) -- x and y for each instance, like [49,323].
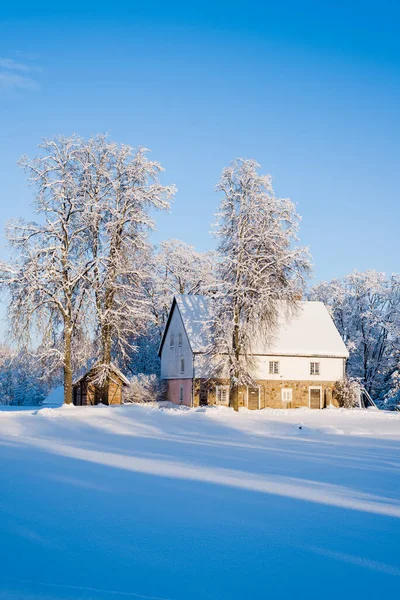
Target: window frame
[217,390]
[274,367]
[286,390]
[180,340]
[171,340]
[315,368]
[181,394]
[182,365]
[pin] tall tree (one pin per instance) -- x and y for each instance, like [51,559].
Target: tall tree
[258,264]
[47,275]
[120,187]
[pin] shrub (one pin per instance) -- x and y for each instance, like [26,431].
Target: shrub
[347,393]
[145,388]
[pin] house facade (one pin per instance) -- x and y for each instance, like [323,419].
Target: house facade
[300,367]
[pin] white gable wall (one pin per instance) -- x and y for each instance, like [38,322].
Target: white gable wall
[171,357]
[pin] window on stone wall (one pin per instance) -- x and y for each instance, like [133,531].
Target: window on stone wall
[286,395]
[182,366]
[274,367]
[314,368]
[171,340]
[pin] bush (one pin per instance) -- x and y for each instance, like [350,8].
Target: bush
[347,393]
[145,388]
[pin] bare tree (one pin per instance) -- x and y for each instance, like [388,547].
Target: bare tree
[120,187]
[47,276]
[258,264]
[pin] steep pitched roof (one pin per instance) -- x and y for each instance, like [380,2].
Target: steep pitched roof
[309,332]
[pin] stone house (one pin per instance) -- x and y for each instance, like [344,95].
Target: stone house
[298,368]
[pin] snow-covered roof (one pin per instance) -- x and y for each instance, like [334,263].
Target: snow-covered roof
[309,332]
[113,369]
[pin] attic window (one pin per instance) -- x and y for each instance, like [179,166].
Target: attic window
[180,340]
[182,366]
[274,367]
[314,368]
[171,340]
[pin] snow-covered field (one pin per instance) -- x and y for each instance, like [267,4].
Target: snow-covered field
[190,504]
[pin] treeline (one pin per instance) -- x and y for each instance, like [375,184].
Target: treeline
[366,309]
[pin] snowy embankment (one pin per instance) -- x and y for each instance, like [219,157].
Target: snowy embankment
[175,503]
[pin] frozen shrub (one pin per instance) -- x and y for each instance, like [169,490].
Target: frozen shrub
[145,388]
[347,393]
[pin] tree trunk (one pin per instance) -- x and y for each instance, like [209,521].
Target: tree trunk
[106,342]
[233,387]
[67,365]
[234,396]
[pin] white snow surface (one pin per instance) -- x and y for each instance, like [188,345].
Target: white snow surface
[148,501]
[309,332]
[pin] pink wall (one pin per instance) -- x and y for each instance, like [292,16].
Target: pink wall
[173,393]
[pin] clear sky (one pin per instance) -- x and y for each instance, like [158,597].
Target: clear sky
[309,89]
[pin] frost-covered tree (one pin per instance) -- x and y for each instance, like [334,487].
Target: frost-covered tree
[258,264]
[23,380]
[46,278]
[75,281]
[366,309]
[120,188]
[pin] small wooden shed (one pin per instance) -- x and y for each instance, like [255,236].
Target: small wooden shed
[95,387]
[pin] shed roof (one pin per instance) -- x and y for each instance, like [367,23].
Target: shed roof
[309,332]
[113,370]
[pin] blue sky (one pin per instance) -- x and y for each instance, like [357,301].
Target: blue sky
[310,91]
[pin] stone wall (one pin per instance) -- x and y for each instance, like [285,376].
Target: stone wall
[270,392]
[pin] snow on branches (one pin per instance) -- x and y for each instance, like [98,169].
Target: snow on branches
[77,273]
[258,264]
[366,309]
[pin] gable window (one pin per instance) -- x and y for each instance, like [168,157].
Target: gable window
[182,366]
[181,395]
[274,367]
[222,394]
[286,395]
[171,340]
[180,340]
[314,368]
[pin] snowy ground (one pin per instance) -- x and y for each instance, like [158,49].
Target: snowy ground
[190,504]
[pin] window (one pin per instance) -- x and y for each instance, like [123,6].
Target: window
[171,340]
[180,340]
[286,395]
[182,366]
[314,368]
[181,395]
[274,367]
[222,394]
